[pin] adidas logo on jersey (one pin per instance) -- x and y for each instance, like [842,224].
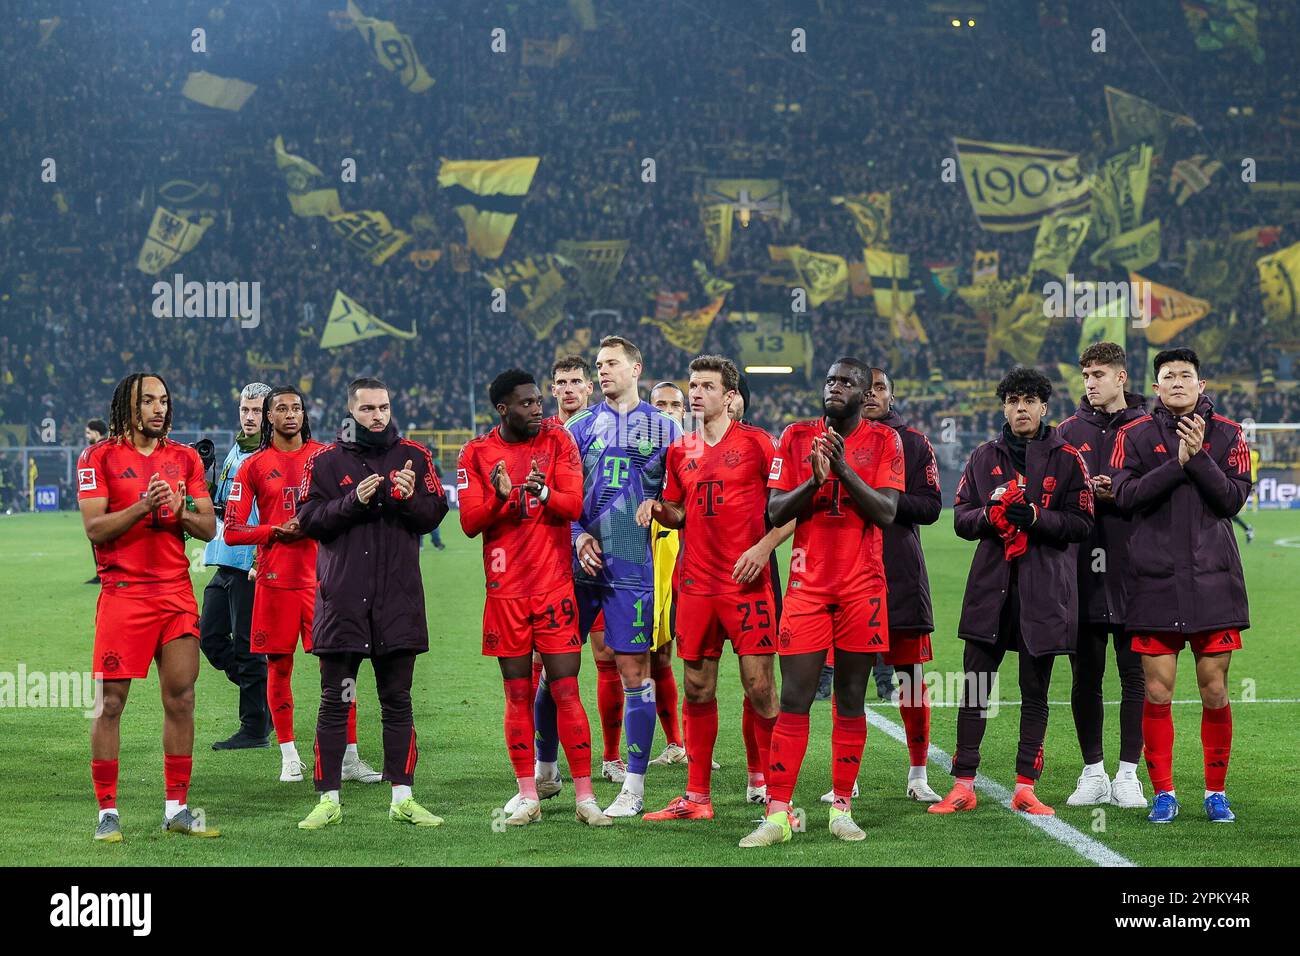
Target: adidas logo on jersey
[347,480]
[1160,449]
[129,473]
[574,642]
[275,473]
[765,642]
[875,640]
[1085,447]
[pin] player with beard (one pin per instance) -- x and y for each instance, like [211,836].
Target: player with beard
[141,495]
[1103,573]
[284,601]
[1183,472]
[521,488]
[839,477]
[911,615]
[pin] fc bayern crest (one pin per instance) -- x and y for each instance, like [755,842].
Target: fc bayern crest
[731,458]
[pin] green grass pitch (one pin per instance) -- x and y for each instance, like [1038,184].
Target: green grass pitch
[47,809]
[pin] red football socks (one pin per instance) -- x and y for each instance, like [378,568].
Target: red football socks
[789,744]
[848,740]
[519,728]
[666,703]
[701,736]
[352,723]
[916,721]
[575,732]
[1158,743]
[609,701]
[104,775]
[279,696]
[176,776]
[1216,743]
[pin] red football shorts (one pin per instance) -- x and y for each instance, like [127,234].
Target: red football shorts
[546,623]
[599,623]
[706,621]
[131,631]
[280,615]
[907,648]
[858,623]
[1207,642]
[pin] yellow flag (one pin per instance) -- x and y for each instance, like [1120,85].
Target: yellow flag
[217,91]
[370,233]
[1133,119]
[301,177]
[907,327]
[1059,237]
[772,339]
[47,26]
[749,197]
[872,215]
[1279,280]
[892,287]
[984,266]
[597,262]
[392,48]
[688,330]
[169,238]
[1012,187]
[1134,249]
[1119,189]
[1216,268]
[993,297]
[488,195]
[350,322]
[1190,176]
[825,276]
[537,292]
[713,286]
[716,220]
[1164,311]
[1021,327]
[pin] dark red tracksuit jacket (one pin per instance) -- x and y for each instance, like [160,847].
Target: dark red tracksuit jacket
[1185,575]
[370,597]
[909,584]
[1047,574]
[1101,594]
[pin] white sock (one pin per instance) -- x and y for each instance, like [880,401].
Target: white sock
[172,807]
[289,749]
[351,752]
[1126,770]
[331,795]
[547,770]
[400,792]
[1210,793]
[1172,794]
[635,783]
[916,773]
[106,812]
[1097,769]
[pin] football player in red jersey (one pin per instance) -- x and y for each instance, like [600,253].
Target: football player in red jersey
[520,487]
[140,496]
[716,491]
[839,477]
[284,605]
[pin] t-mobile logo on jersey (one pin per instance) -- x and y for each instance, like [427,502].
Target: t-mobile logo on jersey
[76,909]
[708,494]
[614,470]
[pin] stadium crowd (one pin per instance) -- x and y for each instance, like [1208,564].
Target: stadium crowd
[862,109]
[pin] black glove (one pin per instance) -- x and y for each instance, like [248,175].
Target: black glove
[1022,514]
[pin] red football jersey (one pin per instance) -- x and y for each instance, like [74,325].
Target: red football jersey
[837,552]
[724,490]
[273,479]
[152,551]
[527,548]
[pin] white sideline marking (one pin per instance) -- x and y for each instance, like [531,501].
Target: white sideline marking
[1091,850]
[1108,703]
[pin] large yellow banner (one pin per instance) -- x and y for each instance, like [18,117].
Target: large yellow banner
[1012,187]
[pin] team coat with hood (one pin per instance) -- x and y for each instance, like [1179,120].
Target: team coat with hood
[370,598]
[1056,480]
[1101,592]
[1186,577]
[919,504]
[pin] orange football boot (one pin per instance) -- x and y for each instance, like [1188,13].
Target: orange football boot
[683,809]
[960,797]
[1026,801]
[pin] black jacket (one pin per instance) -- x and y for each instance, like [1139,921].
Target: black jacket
[919,504]
[370,598]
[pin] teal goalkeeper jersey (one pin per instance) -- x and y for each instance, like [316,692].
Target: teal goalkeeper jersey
[622,465]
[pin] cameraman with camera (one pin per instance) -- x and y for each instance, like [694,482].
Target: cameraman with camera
[228,599]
